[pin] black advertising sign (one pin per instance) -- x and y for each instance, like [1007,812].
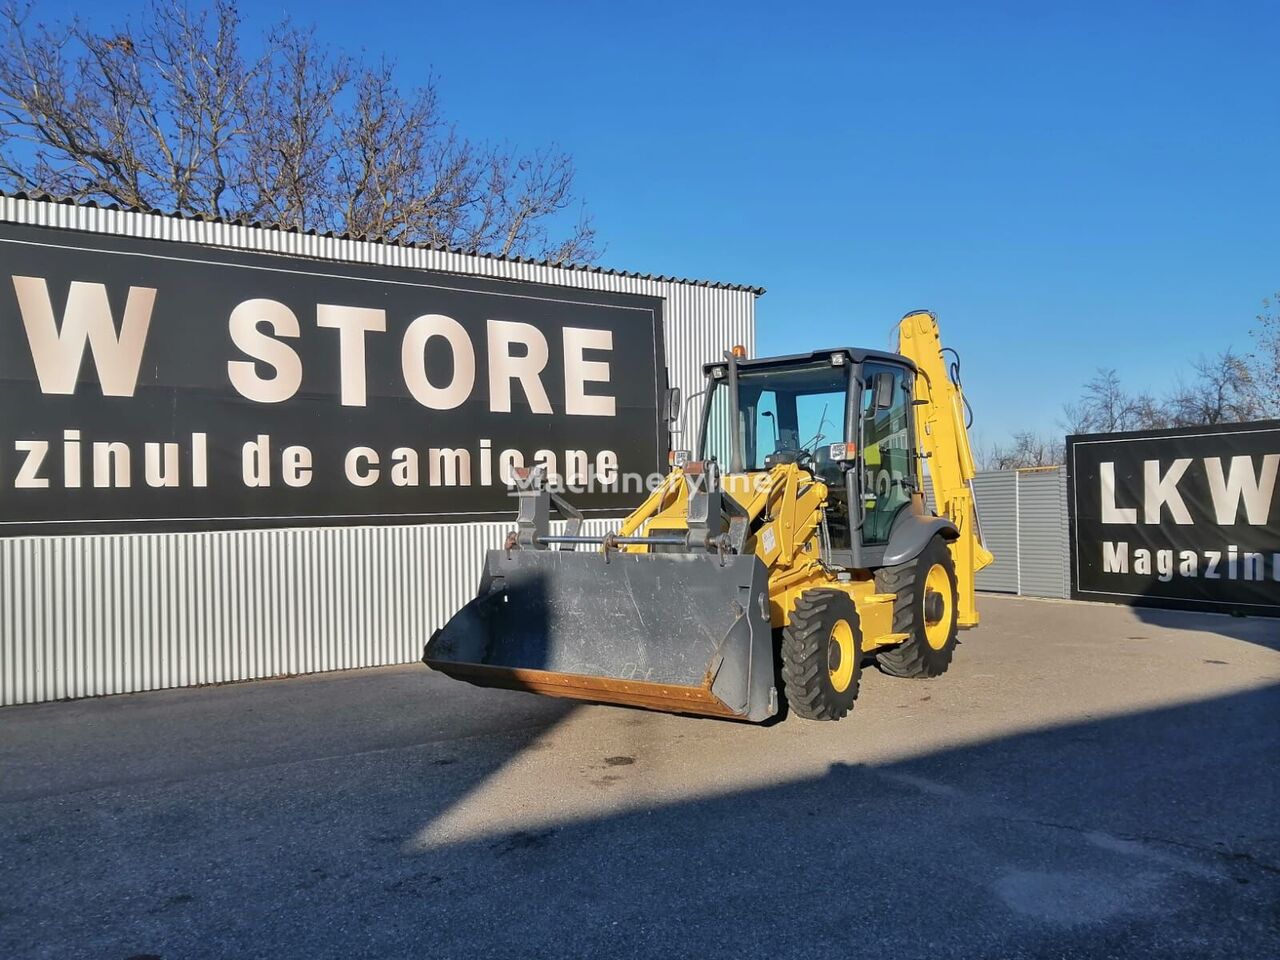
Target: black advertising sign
[1184,518]
[150,385]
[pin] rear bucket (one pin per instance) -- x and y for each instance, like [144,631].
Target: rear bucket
[667,631]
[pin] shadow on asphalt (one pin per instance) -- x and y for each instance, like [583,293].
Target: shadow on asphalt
[169,735]
[1263,631]
[1156,833]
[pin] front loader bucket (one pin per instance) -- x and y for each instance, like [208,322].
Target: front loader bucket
[682,632]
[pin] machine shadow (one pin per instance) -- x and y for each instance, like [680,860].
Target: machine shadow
[208,822]
[1156,833]
[1261,630]
[1080,840]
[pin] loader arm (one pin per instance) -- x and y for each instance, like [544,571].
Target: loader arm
[781,507]
[943,440]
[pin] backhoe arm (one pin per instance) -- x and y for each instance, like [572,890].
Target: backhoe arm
[944,446]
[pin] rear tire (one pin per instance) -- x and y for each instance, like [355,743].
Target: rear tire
[926,609]
[821,655]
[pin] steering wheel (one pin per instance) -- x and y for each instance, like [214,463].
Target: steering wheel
[822,457]
[796,455]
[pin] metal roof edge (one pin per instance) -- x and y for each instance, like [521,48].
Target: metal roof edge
[35,196]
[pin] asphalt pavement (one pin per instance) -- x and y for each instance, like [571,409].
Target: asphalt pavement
[1087,781]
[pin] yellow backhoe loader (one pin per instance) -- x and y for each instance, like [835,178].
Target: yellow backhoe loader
[793,547]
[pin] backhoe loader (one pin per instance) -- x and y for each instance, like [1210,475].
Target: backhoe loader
[791,547]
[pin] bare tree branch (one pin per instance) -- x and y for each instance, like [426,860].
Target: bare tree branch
[1264,360]
[168,113]
[1026,449]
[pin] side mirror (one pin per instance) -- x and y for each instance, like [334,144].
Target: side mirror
[884,383]
[671,406]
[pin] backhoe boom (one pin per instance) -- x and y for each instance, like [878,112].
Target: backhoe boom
[943,441]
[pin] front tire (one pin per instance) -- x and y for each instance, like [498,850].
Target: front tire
[926,609]
[821,655]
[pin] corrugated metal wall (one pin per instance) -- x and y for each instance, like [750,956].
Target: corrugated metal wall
[997,496]
[1024,522]
[1043,552]
[82,616]
[122,613]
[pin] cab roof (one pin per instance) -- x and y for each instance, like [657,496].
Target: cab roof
[852,354]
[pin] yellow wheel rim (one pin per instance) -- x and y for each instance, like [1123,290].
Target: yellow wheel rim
[842,656]
[938,631]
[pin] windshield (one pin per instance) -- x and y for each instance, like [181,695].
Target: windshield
[800,408]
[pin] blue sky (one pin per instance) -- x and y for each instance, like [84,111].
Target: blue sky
[1066,185]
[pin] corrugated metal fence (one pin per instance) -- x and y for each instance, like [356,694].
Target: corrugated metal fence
[121,613]
[1024,523]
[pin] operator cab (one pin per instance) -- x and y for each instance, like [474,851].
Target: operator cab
[845,415]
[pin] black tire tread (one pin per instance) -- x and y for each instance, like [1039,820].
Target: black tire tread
[804,655]
[914,658]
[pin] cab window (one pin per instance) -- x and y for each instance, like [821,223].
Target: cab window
[888,463]
[797,409]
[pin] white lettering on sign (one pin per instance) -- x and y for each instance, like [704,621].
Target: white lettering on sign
[352,323]
[504,366]
[1241,483]
[1115,557]
[578,372]
[58,351]
[111,464]
[160,462]
[413,361]
[1248,482]
[362,466]
[448,467]
[295,466]
[1165,564]
[404,467]
[255,462]
[245,329]
[1161,489]
[29,473]
[1110,512]
[518,355]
